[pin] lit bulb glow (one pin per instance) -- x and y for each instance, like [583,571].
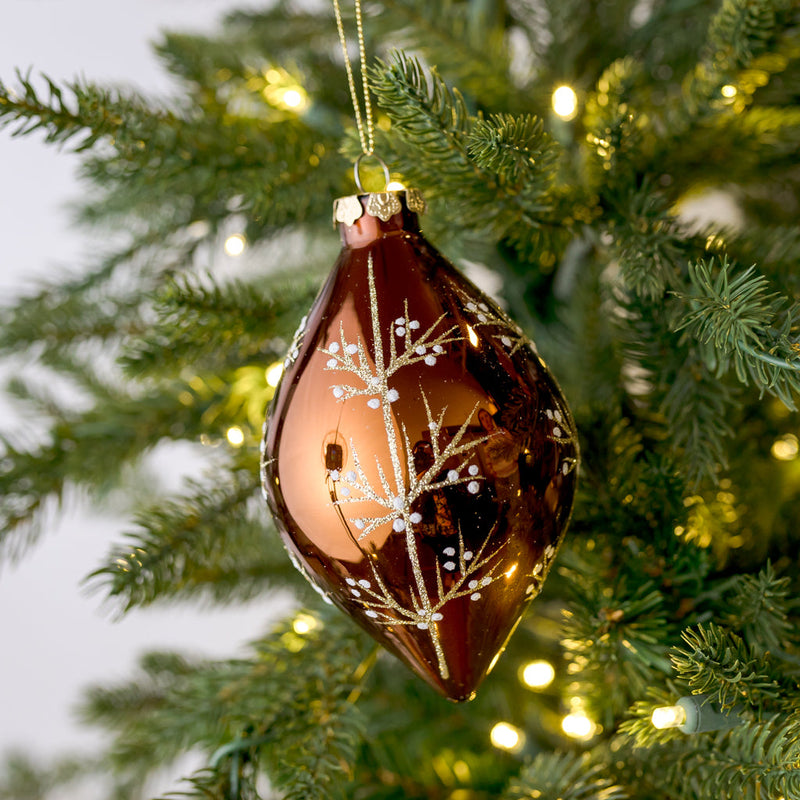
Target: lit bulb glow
[395,186]
[304,623]
[235,435]
[786,448]
[538,674]
[234,245]
[274,374]
[505,736]
[565,102]
[473,337]
[292,98]
[668,717]
[578,726]
[729,91]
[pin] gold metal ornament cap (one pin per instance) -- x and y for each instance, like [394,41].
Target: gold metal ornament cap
[383,205]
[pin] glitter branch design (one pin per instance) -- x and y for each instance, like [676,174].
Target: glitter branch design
[397,494]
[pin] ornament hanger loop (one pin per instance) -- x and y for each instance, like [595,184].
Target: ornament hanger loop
[357,176]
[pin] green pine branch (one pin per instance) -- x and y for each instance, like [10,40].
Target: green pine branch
[746,324]
[202,324]
[563,776]
[208,542]
[297,711]
[718,663]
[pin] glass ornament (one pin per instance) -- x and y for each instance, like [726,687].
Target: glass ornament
[419,459]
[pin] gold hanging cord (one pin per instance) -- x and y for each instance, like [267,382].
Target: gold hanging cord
[365,124]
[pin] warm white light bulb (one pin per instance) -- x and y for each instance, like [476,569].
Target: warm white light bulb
[786,448]
[274,374]
[505,736]
[538,674]
[578,726]
[304,623]
[565,102]
[395,186]
[235,436]
[234,245]
[668,717]
[729,90]
[292,98]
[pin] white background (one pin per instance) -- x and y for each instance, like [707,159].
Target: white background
[54,638]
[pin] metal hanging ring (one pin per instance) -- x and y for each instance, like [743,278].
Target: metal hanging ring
[357,177]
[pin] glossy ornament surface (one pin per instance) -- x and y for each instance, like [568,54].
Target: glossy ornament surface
[419,459]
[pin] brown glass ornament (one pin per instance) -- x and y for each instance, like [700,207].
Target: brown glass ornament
[419,459]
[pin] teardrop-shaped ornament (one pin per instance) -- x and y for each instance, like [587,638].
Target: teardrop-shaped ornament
[419,458]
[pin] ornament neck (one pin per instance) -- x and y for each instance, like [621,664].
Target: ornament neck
[365,218]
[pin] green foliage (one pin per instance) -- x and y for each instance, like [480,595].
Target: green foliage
[746,324]
[209,542]
[565,776]
[669,351]
[718,663]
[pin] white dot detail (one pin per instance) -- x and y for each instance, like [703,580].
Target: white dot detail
[473,487]
[420,349]
[349,581]
[359,523]
[471,307]
[468,555]
[398,503]
[437,617]
[399,525]
[437,348]
[449,551]
[449,565]
[452,475]
[364,584]
[352,349]
[486,581]
[400,321]
[335,475]
[414,324]
[423,626]
[400,331]
[430,360]
[350,476]
[506,341]
[333,347]
[556,431]
[473,469]
[473,584]
[416,518]
[564,468]
[475,596]
[355,593]
[338,392]
[332,362]
[483,307]
[345,491]
[371,614]
[392,395]
[374,403]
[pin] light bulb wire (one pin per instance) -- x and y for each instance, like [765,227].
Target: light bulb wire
[365,124]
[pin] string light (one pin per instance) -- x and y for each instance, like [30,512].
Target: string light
[668,717]
[505,736]
[395,186]
[274,373]
[538,674]
[578,726]
[785,448]
[694,714]
[304,623]
[292,98]
[729,91]
[235,244]
[235,435]
[565,102]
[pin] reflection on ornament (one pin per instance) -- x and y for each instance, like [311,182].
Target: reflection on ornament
[419,459]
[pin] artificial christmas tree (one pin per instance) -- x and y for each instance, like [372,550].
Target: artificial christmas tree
[557,144]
